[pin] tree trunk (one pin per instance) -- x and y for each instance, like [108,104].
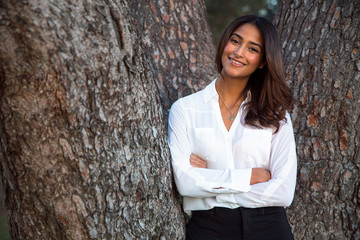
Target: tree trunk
[180,46]
[83,143]
[321,44]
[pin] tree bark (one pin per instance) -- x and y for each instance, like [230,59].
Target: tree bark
[180,46]
[321,44]
[83,143]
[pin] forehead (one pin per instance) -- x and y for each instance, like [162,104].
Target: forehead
[249,32]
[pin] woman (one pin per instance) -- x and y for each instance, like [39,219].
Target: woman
[232,144]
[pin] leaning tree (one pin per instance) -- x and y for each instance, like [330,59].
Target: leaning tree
[83,142]
[321,44]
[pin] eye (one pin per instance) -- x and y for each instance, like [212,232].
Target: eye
[252,49]
[234,41]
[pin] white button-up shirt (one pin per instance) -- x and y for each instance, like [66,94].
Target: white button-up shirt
[196,127]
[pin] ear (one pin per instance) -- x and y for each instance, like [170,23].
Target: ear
[262,65]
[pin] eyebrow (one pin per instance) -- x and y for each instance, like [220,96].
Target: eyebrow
[254,43]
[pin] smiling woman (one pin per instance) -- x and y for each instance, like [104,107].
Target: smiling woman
[243,53]
[241,56]
[232,144]
[271,95]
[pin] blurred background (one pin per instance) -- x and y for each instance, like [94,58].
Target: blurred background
[220,14]
[4,230]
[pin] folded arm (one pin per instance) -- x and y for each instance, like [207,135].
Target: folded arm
[258,175]
[279,190]
[194,181]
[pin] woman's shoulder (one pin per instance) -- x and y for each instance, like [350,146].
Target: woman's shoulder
[187,102]
[193,97]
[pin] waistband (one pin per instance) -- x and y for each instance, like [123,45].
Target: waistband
[261,210]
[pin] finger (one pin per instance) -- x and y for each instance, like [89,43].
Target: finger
[193,156]
[198,163]
[195,162]
[196,158]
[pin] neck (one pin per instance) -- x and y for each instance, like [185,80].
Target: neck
[231,89]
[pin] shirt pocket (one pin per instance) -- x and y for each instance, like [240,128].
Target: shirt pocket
[255,147]
[202,141]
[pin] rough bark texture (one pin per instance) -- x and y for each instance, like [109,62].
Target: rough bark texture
[321,44]
[181,50]
[83,143]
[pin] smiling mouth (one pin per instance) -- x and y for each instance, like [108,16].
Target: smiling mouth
[236,62]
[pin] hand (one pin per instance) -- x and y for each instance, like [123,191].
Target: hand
[196,161]
[259,175]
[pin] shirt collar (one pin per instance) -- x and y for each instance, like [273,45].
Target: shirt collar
[210,91]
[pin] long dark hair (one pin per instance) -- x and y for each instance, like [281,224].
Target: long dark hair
[271,96]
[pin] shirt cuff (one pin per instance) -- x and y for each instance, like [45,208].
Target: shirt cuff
[226,198]
[240,182]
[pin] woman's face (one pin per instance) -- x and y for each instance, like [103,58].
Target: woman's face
[243,53]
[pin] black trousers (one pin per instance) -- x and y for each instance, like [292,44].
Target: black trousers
[268,223]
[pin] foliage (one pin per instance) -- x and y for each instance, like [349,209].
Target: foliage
[221,13]
[4,229]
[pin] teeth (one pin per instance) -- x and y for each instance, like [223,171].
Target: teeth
[236,62]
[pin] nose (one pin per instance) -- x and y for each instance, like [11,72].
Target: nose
[239,51]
